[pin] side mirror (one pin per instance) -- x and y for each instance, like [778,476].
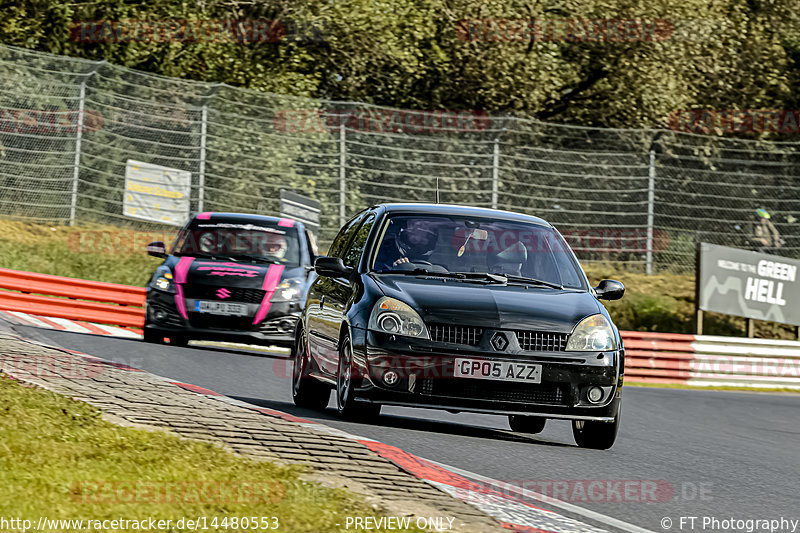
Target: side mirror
[331,267]
[157,249]
[609,289]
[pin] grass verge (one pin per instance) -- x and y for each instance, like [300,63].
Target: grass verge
[59,459]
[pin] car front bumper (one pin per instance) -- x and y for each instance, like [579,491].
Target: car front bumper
[425,378]
[276,329]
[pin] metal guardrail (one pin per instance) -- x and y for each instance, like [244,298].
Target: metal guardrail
[706,360]
[77,299]
[701,360]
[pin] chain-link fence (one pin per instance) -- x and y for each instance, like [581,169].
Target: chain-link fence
[642,197]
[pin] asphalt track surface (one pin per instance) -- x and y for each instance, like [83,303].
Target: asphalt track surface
[725,454]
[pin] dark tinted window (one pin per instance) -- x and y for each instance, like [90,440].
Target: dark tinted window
[240,241]
[477,245]
[356,247]
[342,239]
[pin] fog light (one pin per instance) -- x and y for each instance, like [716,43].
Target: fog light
[391,378]
[160,315]
[595,394]
[285,325]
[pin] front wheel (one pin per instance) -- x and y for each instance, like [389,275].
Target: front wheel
[151,335]
[596,435]
[346,406]
[306,391]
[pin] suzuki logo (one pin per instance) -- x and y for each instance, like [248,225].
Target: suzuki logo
[223,293]
[499,342]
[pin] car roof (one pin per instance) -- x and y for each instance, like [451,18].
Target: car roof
[460,210]
[241,218]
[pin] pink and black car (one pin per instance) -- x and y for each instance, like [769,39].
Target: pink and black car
[230,277]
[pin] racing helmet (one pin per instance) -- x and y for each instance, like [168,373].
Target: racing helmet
[418,237]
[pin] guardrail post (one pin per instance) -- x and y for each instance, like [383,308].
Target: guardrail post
[342,176]
[495,172]
[651,196]
[201,180]
[73,205]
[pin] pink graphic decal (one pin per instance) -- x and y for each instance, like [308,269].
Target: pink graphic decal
[223,293]
[231,272]
[181,272]
[182,269]
[204,216]
[270,283]
[179,301]
[286,223]
[204,265]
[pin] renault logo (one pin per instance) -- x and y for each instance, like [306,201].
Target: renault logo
[499,342]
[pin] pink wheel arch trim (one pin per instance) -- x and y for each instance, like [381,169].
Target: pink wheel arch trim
[270,283]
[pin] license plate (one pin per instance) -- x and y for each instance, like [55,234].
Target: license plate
[498,370]
[220,308]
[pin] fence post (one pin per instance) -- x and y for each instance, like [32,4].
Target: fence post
[342,174]
[495,171]
[651,196]
[201,182]
[73,206]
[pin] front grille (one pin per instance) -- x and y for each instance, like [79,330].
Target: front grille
[235,323]
[540,341]
[468,335]
[237,294]
[498,391]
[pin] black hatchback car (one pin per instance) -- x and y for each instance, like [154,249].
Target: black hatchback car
[462,309]
[230,277]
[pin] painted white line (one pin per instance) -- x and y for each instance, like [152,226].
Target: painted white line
[524,493]
[239,346]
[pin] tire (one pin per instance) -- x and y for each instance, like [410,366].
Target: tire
[306,391]
[596,435]
[346,407]
[153,336]
[178,340]
[526,424]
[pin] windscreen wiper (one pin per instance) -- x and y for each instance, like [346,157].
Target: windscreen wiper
[466,276]
[425,272]
[532,281]
[251,257]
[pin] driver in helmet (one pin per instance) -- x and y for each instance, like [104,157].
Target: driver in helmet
[274,248]
[414,243]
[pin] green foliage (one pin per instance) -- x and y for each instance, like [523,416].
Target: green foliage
[404,53]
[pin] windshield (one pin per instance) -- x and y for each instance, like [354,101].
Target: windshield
[243,242]
[477,245]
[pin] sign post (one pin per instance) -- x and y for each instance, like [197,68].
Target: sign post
[301,208]
[156,193]
[752,285]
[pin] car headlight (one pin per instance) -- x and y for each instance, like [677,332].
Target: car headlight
[287,290]
[593,334]
[393,316]
[162,280]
